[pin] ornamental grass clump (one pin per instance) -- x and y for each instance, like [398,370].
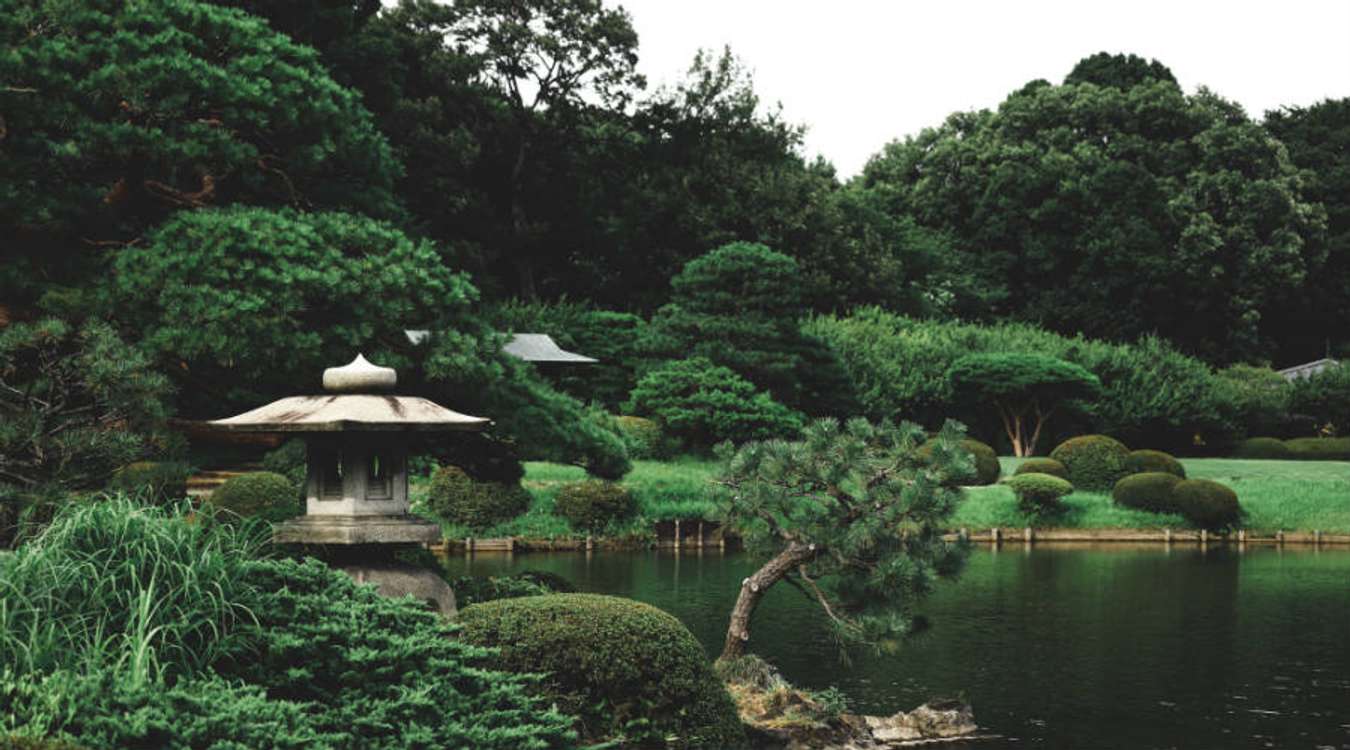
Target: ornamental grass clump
[1140,461]
[152,481]
[1095,462]
[1039,494]
[626,669]
[1043,466]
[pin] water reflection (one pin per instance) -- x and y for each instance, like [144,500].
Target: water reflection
[1106,647]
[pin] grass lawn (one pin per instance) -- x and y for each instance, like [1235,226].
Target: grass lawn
[1289,495]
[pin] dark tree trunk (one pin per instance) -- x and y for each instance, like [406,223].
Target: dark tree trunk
[752,590]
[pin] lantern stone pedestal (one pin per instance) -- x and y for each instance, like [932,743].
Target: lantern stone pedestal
[356,491]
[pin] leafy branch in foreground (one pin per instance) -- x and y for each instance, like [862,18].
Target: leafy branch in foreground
[851,516]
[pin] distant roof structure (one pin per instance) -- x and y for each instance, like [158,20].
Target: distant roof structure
[531,347]
[1308,369]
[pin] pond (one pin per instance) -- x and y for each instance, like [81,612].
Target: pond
[1102,647]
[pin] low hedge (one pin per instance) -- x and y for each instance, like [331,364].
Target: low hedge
[457,498]
[1043,466]
[594,504]
[622,667]
[1095,462]
[1319,449]
[156,481]
[987,469]
[1261,447]
[261,494]
[1144,461]
[1207,504]
[1039,494]
[1150,491]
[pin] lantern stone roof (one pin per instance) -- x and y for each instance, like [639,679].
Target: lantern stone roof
[352,404]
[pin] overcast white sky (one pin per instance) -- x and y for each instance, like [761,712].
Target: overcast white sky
[859,74]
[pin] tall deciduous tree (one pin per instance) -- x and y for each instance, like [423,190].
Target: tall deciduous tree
[546,58]
[1115,211]
[1318,316]
[852,516]
[1026,389]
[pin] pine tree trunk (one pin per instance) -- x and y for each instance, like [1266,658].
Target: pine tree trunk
[752,590]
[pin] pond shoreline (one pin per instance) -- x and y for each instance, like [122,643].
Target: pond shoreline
[1000,535]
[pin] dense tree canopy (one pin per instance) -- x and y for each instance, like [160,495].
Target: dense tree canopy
[116,114]
[1115,211]
[1318,315]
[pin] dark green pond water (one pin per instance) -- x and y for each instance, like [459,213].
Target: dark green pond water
[1056,647]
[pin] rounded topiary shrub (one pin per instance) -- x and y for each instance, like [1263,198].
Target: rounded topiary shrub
[594,504]
[987,469]
[1043,466]
[457,498]
[1141,461]
[1319,448]
[156,481]
[1207,504]
[1261,447]
[620,666]
[262,494]
[1095,462]
[644,437]
[288,461]
[1039,494]
[702,404]
[1150,491]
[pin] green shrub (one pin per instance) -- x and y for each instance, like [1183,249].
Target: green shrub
[133,626]
[381,673]
[1141,461]
[475,590]
[1150,491]
[1261,447]
[623,667]
[987,468]
[1043,466]
[1207,504]
[1319,449]
[593,504]
[155,481]
[260,494]
[645,438]
[33,743]
[703,404]
[458,499]
[1039,494]
[1095,462]
[1326,397]
[289,461]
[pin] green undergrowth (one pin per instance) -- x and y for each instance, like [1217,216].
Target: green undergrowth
[664,490]
[1289,495]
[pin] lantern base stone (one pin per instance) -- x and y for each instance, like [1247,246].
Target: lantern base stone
[396,581]
[401,529]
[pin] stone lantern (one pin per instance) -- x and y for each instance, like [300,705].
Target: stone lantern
[357,438]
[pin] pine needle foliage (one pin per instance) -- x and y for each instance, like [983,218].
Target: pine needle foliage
[851,515]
